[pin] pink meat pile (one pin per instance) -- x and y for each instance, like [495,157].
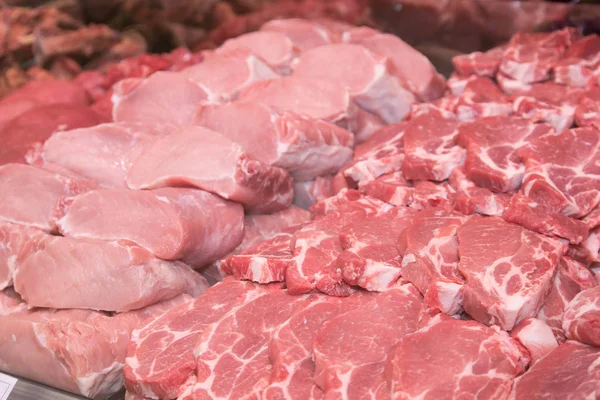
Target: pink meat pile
[452,258]
[122,191]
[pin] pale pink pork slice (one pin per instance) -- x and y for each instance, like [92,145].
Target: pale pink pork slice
[14,239]
[172,223]
[163,97]
[29,194]
[305,34]
[59,272]
[275,48]
[160,360]
[304,146]
[80,351]
[353,368]
[369,77]
[492,144]
[468,360]
[415,70]
[103,153]
[570,372]
[238,366]
[207,160]
[223,75]
[508,270]
[581,318]
[429,246]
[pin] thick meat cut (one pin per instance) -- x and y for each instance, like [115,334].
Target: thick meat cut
[195,226]
[61,272]
[233,174]
[304,146]
[581,318]
[353,368]
[14,239]
[468,360]
[508,270]
[303,33]
[537,337]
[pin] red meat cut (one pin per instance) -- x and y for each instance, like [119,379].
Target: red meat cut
[581,318]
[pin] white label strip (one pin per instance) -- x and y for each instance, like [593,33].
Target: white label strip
[7,383]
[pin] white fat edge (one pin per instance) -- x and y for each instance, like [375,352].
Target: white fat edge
[258,270]
[102,383]
[259,70]
[450,296]
[378,276]
[308,163]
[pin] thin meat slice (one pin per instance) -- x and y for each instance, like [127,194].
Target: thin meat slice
[429,246]
[275,48]
[238,366]
[571,371]
[225,169]
[160,360]
[13,245]
[370,258]
[381,154]
[562,172]
[394,189]
[492,144]
[416,71]
[291,348]
[571,278]
[103,153]
[353,368]
[304,146]
[430,148]
[29,194]
[59,272]
[581,318]
[370,78]
[537,337]
[467,359]
[195,226]
[222,75]
[79,351]
[163,98]
[508,270]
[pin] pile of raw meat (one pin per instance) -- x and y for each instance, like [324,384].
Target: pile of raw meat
[448,251]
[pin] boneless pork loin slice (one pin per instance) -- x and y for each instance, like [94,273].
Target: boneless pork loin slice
[304,146]
[466,358]
[225,170]
[172,223]
[103,152]
[29,194]
[60,272]
[222,75]
[80,351]
[13,244]
[369,77]
[305,34]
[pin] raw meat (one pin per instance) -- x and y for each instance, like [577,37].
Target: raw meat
[162,98]
[353,368]
[581,318]
[470,198]
[536,336]
[233,174]
[59,272]
[35,126]
[369,77]
[224,74]
[29,194]
[579,62]
[478,63]
[562,172]
[370,258]
[103,153]
[570,372]
[467,359]
[275,48]
[508,270]
[13,241]
[192,225]
[238,366]
[571,278]
[160,361]
[587,112]
[320,99]
[416,71]
[303,33]
[430,258]
[431,152]
[304,146]
[492,144]
[80,351]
